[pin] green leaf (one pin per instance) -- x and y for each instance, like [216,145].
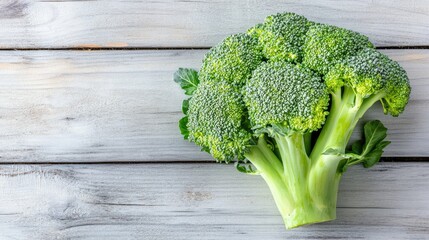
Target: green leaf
[246,168]
[357,147]
[374,132]
[185,106]
[369,153]
[187,79]
[342,166]
[374,156]
[183,127]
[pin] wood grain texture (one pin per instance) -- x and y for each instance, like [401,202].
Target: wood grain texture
[177,23]
[200,201]
[83,106]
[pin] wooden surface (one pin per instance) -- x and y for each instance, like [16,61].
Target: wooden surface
[89,107]
[174,23]
[200,201]
[100,106]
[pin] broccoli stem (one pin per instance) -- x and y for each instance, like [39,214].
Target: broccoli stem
[347,108]
[274,179]
[295,160]
[339,125]
[269,155]
[324,178]
[307,143]
[289,187]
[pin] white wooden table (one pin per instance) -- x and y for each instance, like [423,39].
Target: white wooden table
[89,145]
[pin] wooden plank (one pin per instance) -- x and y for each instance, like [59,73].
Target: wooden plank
[180,23]
[199,201]
[83,106]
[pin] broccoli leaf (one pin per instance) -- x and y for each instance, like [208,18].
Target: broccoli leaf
[246,168]
[371,158]
[187,79]
[342,166]
[183,128]
[185,106]
[375,133]
[357,147]
[368,153]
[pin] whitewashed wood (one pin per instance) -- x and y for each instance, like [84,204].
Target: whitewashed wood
[199,201]
[83,106]
[180,23]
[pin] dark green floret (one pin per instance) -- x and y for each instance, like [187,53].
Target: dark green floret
[325,45]
[232,61]
[373,76]
[282,36]
[215,121]
[288,95]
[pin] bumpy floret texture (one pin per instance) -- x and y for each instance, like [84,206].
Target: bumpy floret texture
[288,95]
[233,60]
[398,90]
[325,45]
[282,36]
[371,72]
[215,121]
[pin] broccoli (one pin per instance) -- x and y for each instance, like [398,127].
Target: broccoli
[282,102]
[232,61]
[282,36]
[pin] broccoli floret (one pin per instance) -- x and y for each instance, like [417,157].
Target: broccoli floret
[325,45]
[372,76]
[282,36]
[232,61]
[284,99]
[286,95]
[356,83]
[215,121]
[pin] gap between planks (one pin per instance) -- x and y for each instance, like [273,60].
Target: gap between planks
[383,159]
[161,48]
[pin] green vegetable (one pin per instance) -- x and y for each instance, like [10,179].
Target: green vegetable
[282,102]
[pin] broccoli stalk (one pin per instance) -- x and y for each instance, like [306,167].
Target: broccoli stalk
[262,98]
[291,184]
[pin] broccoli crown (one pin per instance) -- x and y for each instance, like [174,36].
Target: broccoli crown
[325,45]
[233,60]
[216,113]
[288,95]
[279,76]
[282,36]
[371,72]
